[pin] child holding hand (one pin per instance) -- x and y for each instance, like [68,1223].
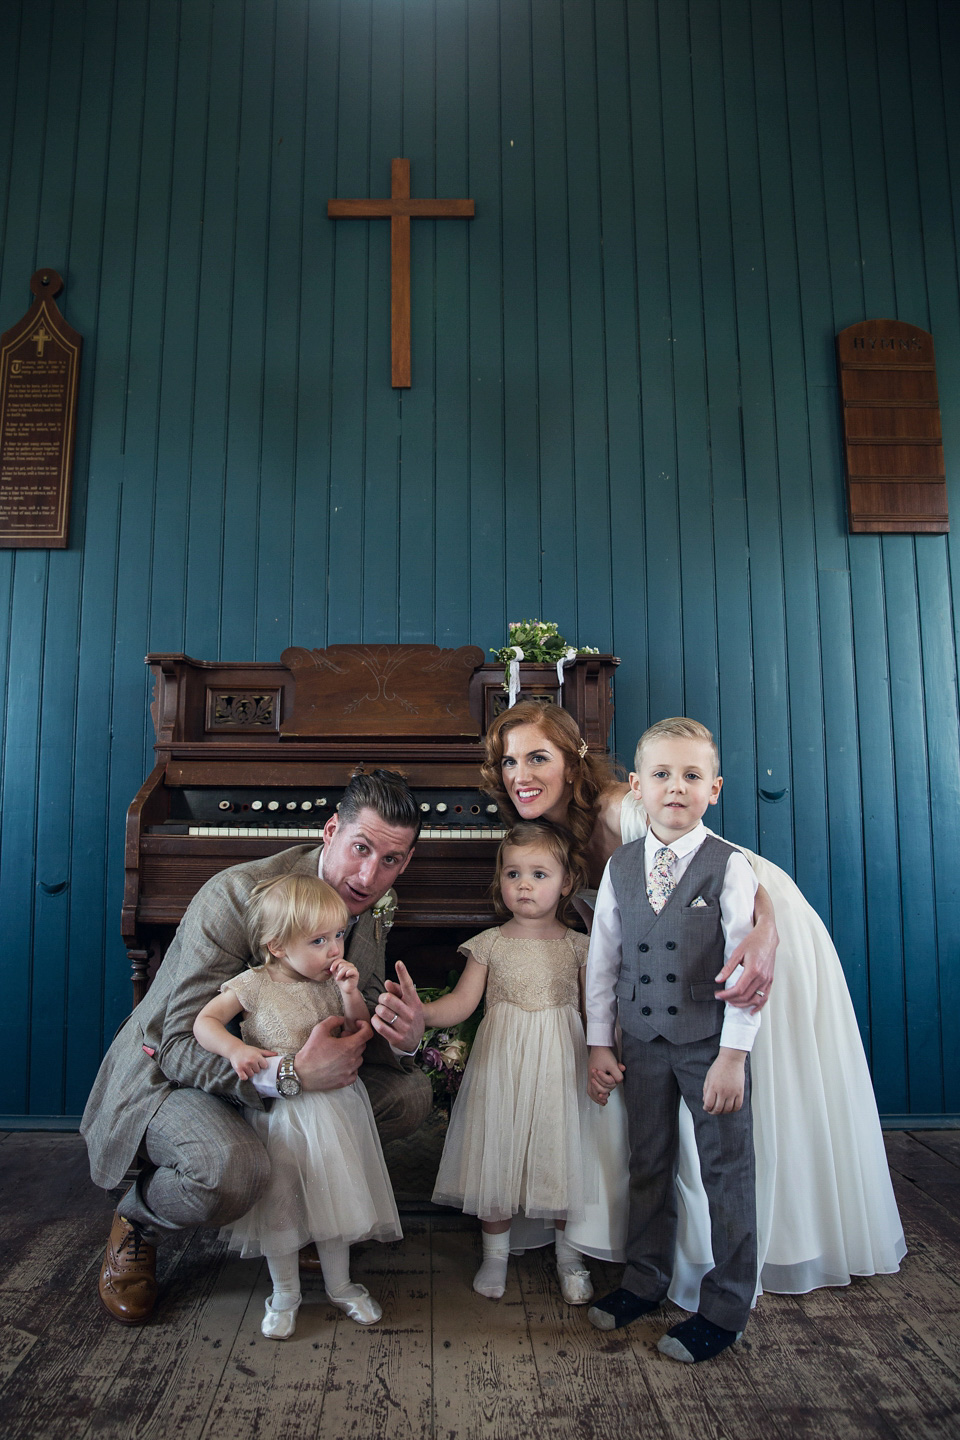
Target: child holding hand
[514,1142]
[328,1181]
[671,909]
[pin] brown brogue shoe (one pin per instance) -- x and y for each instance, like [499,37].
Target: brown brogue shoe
[310,1260]
[128,1276]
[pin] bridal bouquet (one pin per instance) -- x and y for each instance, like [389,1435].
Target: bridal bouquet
[539,641]
[443,1051]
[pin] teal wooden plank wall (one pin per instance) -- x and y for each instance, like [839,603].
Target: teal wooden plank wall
[623,418]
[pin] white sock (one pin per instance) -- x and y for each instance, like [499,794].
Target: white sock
[335,1264]
[491,1278]
[285,1274]
[568,1259]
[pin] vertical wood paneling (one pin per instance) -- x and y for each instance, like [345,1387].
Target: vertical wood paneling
[452,341]
[623,417]
[51,931]
[551,528]
[384,434]
[737,814]
[661,643]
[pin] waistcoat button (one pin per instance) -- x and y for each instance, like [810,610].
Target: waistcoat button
[644,979]
[646,1010]
[671,945]
[671,1009]
[643,947]
[672,979]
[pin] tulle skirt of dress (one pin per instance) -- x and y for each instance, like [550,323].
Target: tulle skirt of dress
[328,1180]
[825,1204]
[514,1141]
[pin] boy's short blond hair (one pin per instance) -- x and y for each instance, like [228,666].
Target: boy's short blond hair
[283,909]
[678,727]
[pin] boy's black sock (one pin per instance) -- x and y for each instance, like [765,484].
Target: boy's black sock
[696,1339]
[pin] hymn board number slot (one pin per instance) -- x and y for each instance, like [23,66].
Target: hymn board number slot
[400,209]
[39,370]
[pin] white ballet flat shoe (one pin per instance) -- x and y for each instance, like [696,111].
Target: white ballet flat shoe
[359,1305]
[278,1324]
[576,1287]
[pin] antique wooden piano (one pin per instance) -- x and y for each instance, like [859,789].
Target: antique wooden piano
[252,758]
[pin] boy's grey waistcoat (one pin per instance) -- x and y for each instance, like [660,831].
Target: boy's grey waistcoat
[666,985]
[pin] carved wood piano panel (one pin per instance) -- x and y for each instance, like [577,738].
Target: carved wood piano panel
[253,758]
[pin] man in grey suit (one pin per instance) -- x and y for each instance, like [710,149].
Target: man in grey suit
[161,1098]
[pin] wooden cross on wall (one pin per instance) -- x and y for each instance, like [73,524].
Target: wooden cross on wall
[399,210]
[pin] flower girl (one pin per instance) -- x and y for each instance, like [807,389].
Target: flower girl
[328,1181]
[514,1142]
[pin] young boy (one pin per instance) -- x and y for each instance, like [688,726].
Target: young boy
[671,909]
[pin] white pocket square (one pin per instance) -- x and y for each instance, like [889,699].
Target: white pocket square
[699,903]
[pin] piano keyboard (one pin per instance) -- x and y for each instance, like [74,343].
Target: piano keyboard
[289,832]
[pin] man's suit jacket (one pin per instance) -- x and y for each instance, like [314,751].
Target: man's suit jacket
[210,946]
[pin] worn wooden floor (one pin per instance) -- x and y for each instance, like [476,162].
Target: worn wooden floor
[880,1358]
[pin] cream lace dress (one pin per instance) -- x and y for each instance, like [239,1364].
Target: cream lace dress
[514,1142]
[328,1180]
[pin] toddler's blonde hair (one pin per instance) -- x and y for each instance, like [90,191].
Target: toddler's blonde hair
[287,907]
[677,727]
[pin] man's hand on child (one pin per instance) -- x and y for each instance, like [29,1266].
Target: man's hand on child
[604,1073]
[247,1060]
[346,975]
[329,1059]
[724,1085]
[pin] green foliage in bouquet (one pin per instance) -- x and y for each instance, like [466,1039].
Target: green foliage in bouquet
[541,642]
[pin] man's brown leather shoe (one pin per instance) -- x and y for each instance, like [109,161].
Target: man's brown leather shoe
[128,1276]
[310,1260]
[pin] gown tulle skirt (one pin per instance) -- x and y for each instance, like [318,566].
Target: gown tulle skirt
[328,1180]
[825,1204]
[514,1141]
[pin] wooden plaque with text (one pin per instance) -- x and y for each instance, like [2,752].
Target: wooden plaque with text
[39,370]
[893,448]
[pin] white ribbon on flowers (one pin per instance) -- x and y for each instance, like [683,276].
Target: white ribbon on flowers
[513,672]
[568,655]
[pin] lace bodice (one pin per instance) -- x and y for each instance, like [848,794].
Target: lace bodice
[280,1016]
[532,974]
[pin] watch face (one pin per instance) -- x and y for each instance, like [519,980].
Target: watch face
[288,1085]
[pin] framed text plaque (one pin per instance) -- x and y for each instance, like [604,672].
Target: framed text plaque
[39,370]
[893,448]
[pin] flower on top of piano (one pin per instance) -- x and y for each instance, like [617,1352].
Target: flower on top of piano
[443,1051]
[538,641]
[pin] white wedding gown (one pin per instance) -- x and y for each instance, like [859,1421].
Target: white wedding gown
[825,1204]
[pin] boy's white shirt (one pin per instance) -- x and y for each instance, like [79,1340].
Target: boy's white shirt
[739,888]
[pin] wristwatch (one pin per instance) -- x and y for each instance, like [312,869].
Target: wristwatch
[288,1081]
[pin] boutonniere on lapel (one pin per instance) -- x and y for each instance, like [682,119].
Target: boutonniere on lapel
[384,914]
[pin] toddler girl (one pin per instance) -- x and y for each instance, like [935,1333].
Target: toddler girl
[514,1141]
[328,1181]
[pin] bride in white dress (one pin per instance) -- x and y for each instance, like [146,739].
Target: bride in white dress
[825,1204]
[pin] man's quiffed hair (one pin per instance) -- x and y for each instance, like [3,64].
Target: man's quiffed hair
[387,793]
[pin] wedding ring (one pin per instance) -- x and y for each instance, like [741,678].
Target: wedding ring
[393,1019]
[759,994]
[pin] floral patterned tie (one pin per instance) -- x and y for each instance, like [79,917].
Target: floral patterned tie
[661,884]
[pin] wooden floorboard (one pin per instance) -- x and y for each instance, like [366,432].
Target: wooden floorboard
[879,1358]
